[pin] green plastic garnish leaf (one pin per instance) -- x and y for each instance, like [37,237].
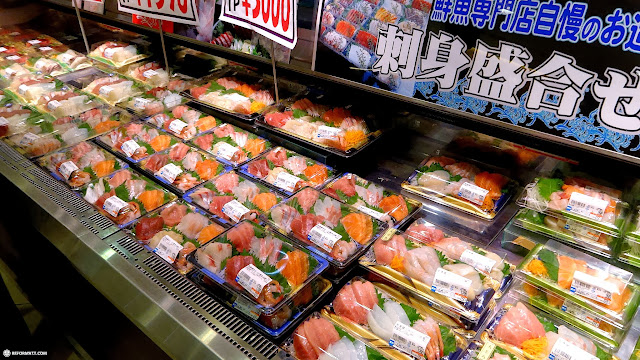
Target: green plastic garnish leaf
[297,113]
[547,186]
[548,325]
[343,333]
[443,259]
[448,340]
[455,178]
[380,299]
[550,261]
[412,313]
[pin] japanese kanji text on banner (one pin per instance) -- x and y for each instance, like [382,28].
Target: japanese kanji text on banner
[275,19]
[181,11]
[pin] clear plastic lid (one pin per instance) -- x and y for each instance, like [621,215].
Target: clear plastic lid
[375,200]
[325,126]
[288,171]
[151,74]
[73,60]
[125,196]
[338,232]
[567,230]
[388,320]
[181,167]
[174,231]
[29,88]
[630,251]
[583,279]
[136,141]
[183,122]
[37,41]
[10,70]
[260,265]
[461,278]
[633,229]
[112,88]
[232,145]
[153,101]
[46,66]
[529,333]
[66,101]
[232,197]
[479,350]
[579,199]
[581,317]
[81,164]
[16,118]
[461,185]
[117,54]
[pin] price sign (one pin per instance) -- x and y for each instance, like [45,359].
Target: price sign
[181,11]
[275,19]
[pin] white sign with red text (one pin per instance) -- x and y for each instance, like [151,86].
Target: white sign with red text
[181,11]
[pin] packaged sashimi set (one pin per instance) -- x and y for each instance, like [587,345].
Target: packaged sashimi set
[151,74]
[231,145]
[153,101]
[136,141]
[117,54]
[16,118]
[630,248]
[183,122]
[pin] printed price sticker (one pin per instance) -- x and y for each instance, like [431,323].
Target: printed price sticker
[149,73]
[450,285]
[22,89]
[67,168]
[409,340]
[108,53]
[177,126]
[225,150]
[473,193]
[40,64]
[234,210]
[45,48]
[9,72]
[169,172]
[252,279]
[324,237]
[376,214]
[3,49]
[486,352]
[286,181]
[28,139]
[3,121]
[129,147]
[65,58]
[564,350]
[113,205]
[592,287]
[580,313]
[168,249]
[478,261]
[141,103]
[106,90]
[327,132]
[53,104]
[587,206]
[13,57]
[34,42]
[246,308]
[581,230]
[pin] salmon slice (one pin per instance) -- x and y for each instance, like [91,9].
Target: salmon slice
[104,168]
[207,169]
[206,123]
[295,267]
[317,174]
[209,232]
[265,201]
[358,226]
[254,146]
[160,142]
[566,268]
[105,126]
[492,182]
[151,199]
[395,206]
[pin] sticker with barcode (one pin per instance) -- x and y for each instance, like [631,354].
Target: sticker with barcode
[45,48]
[40,64]
[105,90]
[409,340]
[328,132]
[592,287]
[578,312]
[587,206]
[9,72]
[376,214]
[3,120]
[53,104]
[113,205]
[486,352]
[149,73]
[34,42]
[169,172]
[177,126]
[129,147]
[234,210]
[323,237]
[225,150]
[13,57]
[451,285]
[286,181]
[67,168]
[473,193]
[108,53]
[168,249]
[3,49]
[478,261]
[246,308]
[23,89]
[252,279]
[141,103]
[28,139]
[582,230]
[564,350]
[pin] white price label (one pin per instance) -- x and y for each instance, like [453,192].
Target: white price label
[149,73]
[168,249]
[252,279]
[587,206]
[580,313]
[177,126]
[409,340]
[582,230]
[451,285]
[141,103]
[108,53]
[40,64]
[129,147]
[53,104]
[13,57]
[592,287]
[375,214]
[10,72]
[564,350]
[67,168]
[324,237]
[246,308]
[169,172]
[473,193]
[22,89]
[225,150]
[34,42]
[234,210]
[28,139]
[478,261]
[65,58]
[105,90]
[3,49]
[113,205]
[3,121]
[45,48]
[487,351]
[286,181]
[327,132]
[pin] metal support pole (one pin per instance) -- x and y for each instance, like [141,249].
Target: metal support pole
[164,50]
[273,65]
[84,35]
